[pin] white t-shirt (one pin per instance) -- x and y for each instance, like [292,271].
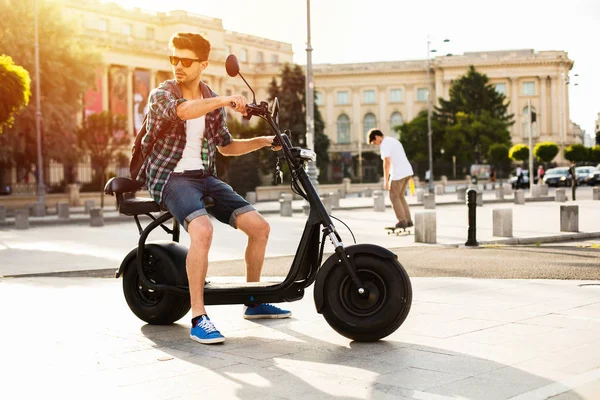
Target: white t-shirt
[191,159]
[401,168]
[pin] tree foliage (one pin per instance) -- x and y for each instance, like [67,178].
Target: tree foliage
[498,153]
[475,117]
[595,154]
[102,136]
[545,151]
[14,91]
[413,136]
[577,153]
[291,93]
[67,69]
[519,152]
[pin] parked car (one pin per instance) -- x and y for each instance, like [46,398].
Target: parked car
[585,175]
[558,177]
[595,177]
[524,183]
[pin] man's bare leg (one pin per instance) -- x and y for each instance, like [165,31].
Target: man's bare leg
[200,231]
[257,228]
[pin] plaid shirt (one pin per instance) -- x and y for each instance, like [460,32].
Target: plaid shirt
[167,131]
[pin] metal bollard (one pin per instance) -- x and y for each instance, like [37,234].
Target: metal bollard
[472,204]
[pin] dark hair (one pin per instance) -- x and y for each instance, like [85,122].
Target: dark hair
[191,41]
[373,133]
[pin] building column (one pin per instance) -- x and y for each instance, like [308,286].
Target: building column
[356,118]
[105,92]
[543,112]
[554,110]
[439,86]
[514,102]
[384,119]
[130,100]
[152,79]
[330,118]
[410,106]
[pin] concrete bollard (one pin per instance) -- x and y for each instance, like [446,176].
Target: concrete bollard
[499,193]
[439,189]
[461,193]
[335,199]
[96,216]
[536,191]
[346,185]
[544,190]
[2,213]
[507,189]
[596,193]
[88,205]
[378,201]
[420,194]
[479,199]
[368,192]
[519,197]
[569,218]
[327,203]
[285,205]
[502,222]
[22,219]
[425,227]
[38,210]
[251,197]
[429,201]
[62,209]
[560,195]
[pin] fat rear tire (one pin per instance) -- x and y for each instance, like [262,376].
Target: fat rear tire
[378,315]
[153,307]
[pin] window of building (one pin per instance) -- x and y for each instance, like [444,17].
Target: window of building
[103,25]
[395,120]
[501,88]
[396,96]
[127,29]
[244,55]
[343,97]
[149,32]
[227,50]
[528,89]
[369,122]
[318,98]
[525,123]
[422,94]
[260,57]
[369,97]
[275,58]
[343,129]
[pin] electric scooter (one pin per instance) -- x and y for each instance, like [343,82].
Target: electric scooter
[362,290]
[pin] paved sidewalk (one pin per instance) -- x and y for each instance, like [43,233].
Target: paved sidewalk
[463,339]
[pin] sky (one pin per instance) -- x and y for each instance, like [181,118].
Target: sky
[346,31]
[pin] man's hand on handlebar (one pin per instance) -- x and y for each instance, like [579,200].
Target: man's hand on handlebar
[270,141]
[237,103]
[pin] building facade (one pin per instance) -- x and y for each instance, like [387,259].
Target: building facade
[353,98]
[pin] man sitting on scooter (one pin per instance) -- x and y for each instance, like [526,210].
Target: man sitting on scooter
[185,127]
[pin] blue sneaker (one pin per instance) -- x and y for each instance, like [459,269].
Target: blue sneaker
[265,311]
[205,332]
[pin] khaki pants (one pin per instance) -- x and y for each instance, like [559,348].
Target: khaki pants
[397,190]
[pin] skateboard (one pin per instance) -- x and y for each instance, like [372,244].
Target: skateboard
[392,230]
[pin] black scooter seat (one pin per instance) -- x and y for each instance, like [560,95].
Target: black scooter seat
[138,205]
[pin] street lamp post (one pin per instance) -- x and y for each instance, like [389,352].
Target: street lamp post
[312,170]
[41,188]
[429,133]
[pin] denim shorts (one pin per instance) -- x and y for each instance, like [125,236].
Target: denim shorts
[183,193]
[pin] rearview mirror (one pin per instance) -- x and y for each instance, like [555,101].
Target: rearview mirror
[232,65]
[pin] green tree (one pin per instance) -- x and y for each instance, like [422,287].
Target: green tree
[413,136]
[67,70]
[102,136]
[14,91]
[577,153]
[291,93]
[475,117]
[598,138]
[519,152]
[545,151]
[595,154]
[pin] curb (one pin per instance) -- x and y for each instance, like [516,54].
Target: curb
[566,237]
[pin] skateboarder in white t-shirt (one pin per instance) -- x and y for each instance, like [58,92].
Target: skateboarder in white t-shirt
[397,171]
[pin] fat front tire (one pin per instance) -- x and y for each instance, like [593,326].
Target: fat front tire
[375,316]
[153,307]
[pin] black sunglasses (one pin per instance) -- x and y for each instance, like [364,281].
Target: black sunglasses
[186,62]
